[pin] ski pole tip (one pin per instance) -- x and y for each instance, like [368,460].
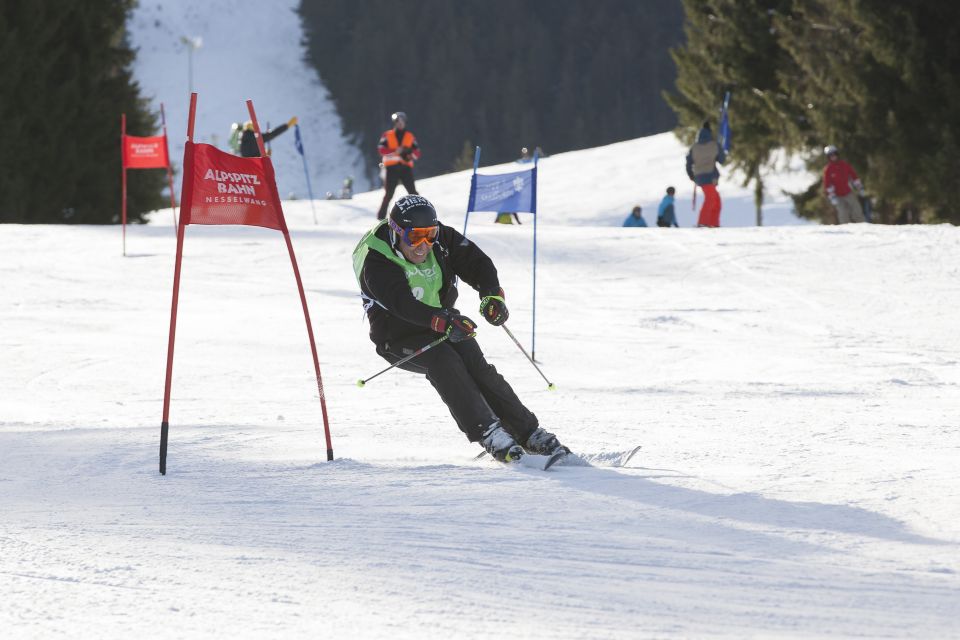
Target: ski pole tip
[360,383]
[552,387]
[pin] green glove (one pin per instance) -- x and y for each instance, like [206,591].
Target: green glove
[494,309]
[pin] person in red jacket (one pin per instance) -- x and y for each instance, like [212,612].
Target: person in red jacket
[398,150]
[839,181]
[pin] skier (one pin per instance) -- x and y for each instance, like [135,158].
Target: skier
[666,216]
[398,149]
[838,178]
[407,267]
[702,162]
[635,219]
[248,138]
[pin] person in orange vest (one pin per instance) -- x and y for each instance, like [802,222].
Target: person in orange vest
[398,150]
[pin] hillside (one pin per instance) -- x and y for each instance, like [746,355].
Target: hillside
[792,387]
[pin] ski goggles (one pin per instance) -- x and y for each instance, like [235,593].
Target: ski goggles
[416,236]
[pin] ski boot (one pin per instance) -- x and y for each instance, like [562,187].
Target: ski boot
[501,444]
[544,443]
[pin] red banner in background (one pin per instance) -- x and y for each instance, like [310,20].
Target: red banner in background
[228,189]
[145,153]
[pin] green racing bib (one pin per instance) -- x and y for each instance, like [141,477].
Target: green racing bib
[425,279]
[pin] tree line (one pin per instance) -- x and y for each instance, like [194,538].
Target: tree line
[64,81]
[560,75]
[877,79]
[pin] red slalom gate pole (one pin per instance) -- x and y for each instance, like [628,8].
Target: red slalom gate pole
[256,128]
[123,170]
[313,345]
[303,296]
[166,146]
[188,188]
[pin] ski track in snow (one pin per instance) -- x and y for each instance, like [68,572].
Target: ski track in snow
[793,389]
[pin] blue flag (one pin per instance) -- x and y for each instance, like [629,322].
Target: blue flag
[297,141]
[725,125]
[503,193]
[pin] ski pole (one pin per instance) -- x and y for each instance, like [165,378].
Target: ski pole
[550,385]
[413,355]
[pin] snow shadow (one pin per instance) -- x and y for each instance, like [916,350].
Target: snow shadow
[743,507]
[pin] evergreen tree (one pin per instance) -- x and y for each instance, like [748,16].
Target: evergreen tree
[877,79]
[65,80]
[731,46]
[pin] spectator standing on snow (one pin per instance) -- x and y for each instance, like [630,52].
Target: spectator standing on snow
[635,219]
[666,215]
[398,150]
[407,267]
[702,160]
[839,180]
[248,138]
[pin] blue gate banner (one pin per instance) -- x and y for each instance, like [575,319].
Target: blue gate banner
[503,193]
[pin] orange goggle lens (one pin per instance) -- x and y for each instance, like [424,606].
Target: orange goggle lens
[418,235]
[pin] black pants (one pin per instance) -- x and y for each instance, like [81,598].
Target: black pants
[396,173]
[474,392]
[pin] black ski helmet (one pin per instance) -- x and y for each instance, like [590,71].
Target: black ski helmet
[413,211]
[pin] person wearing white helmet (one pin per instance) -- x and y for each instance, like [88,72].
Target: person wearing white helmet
[839,182]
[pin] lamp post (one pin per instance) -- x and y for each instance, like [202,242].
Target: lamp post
[192,45]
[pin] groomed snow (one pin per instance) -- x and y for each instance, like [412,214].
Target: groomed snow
[794,389]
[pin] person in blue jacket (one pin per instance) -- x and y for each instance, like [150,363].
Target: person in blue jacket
[635,219]
[666,216]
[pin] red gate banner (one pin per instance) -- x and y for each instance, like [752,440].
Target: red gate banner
[227,189]
[220,188]
[145,153]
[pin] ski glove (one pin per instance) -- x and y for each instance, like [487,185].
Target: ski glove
[494,309]
[456,327]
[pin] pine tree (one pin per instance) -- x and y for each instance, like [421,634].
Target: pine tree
[66,79]
[877,79]
[732,46]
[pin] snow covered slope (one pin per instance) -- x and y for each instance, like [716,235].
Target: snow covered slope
[250,50]
[600,186]
[794,389]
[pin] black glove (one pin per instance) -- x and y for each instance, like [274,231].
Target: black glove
[405,152]
[456,327]
[494,309]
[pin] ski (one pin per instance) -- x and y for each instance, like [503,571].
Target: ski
[607,459]
[533,460]
[604,459]
[542,462]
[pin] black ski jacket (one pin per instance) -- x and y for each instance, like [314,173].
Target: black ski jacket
[248,140]
[394,313]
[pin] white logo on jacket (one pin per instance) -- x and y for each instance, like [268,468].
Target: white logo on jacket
[426,272]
